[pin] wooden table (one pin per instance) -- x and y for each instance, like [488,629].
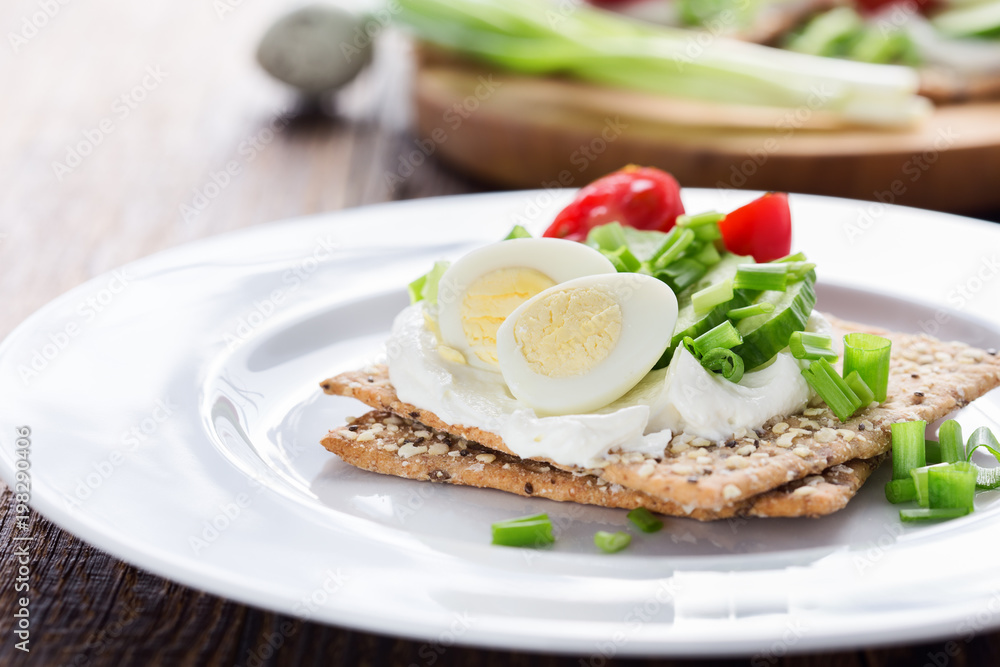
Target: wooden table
[119,121]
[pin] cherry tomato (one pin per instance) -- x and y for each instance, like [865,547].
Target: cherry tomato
[762,228]
[640,197]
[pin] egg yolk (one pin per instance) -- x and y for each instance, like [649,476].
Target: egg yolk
[490,299]
[569,332]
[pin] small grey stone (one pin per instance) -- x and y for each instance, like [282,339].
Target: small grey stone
[317,48]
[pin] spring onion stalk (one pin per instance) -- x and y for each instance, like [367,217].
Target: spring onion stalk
[761,277]
[644,520]
[710,297]
[951,485]
[518,232]
[763,308]
[982,437]
[623,259]
[682,274]
[528,531]
[900,491]
[723,335]
[860,387]
[908,448]
[724,362]
[828,33]
[869,355]
[832,388]
[951,442]
[924,514]
[605,48]
[699,219]
[805,345]
[932,452]
[980,19]
[611,543]
[708,255]
[677,241]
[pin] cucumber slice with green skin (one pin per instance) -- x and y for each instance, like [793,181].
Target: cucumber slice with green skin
[766,335]
[694,324]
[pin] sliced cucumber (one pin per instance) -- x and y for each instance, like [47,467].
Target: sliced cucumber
[766,335]
[692,324]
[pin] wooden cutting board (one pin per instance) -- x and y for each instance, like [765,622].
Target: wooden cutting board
[526,132]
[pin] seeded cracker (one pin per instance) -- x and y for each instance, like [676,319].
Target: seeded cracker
[385,443]
[928,380]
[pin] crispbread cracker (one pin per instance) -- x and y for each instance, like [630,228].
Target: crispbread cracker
[385,443]
[928,380]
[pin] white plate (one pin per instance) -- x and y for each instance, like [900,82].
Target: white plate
[175,419]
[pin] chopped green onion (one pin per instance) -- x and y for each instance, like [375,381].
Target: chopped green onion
[832,388]
[805,345]
[710,297]
[607,237]
[925,514]
[644,520]
[869,354]
[908,448]
[951,485]
[518,232]
[724,362]
[416,289]
[528,531]
[708,255]
[798,270]
[932,452]
[676,242]
[762,308]
[724,335]
[951,441]
[708,218]
[900,491]
[623,259]
[707,233]
[919,478]
[682,274]
[989,478]
[688,344]
[611,543]
[860,388]
[761,277]
[828,33]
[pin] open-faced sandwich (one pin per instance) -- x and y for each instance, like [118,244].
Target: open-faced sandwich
[639,357]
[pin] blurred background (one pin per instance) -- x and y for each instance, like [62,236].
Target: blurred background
[131,127]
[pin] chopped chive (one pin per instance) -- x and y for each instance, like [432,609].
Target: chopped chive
[925,514]
[699,219]
[952,444]
[794,257]
[676,242]
[724,362]
[416,289]
[682,274]
[611,543]
[908,448]
[860,388]
[528,531]
[951,485]
[900,491]
[710,297]
[644,520]
[761,277]
[623,259]
[805,345]
[869,354]
[724,335]
[763,308]
[832,388]
[518,232]
[708,255]
[607,237]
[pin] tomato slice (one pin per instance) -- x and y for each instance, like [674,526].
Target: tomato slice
[762,228]
[640,197]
